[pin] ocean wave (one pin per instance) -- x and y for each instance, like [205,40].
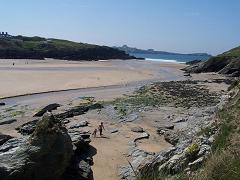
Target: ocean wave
[165,60]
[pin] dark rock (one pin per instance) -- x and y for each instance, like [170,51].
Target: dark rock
[137,129]
[48,108]
[4,138]
[9,121]
[171,137]
[44,155]
[80,167]
[11,144]
[27,128]
[2,104]
[95,106]
[113,131]
[80,141]
[80,124]
[78,110]
[85,169]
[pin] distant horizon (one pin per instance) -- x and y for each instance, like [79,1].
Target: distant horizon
[185,27]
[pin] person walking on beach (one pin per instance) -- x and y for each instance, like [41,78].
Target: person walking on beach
[94,133]
[100,128]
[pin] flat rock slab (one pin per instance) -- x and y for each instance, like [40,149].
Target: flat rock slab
[48,108]
[142,136]
[137,129]
[80,124]
[9,121]
[165,126]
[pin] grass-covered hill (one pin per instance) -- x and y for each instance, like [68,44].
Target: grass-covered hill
[226,63]
[21,47]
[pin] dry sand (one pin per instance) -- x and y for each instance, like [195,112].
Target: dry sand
[112,148]
[34,76]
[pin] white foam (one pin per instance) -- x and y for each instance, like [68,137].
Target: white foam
[165,60]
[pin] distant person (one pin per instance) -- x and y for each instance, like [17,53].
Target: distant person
[13,63]
[94,134]
[100,128]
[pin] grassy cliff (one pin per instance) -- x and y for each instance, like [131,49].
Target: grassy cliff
[226,63]
[21,47]
[224,162]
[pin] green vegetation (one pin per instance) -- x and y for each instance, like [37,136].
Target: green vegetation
[86,100]
[235,52]
[192,150]
[175,93]
[17,113]
[39,48]
[226,63]
[224,162]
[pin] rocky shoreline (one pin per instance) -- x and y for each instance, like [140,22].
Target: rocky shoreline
[187,123]
[190,143]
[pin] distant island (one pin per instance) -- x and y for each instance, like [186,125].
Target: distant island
[22,47]
[153,54]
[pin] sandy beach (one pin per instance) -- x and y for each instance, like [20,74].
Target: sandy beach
[34,76]
[105,81]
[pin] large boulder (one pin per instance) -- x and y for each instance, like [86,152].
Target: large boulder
[44,155]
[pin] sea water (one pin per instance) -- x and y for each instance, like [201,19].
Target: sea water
[171,58]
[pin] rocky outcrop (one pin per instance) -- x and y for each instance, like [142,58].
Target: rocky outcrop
[78,110]
[48,108]
[80,124]
[44,155]
[8,121]
[27,128]
[227,63]
[4,138]
[80,166]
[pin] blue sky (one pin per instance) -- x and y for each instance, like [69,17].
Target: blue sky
[184,26]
